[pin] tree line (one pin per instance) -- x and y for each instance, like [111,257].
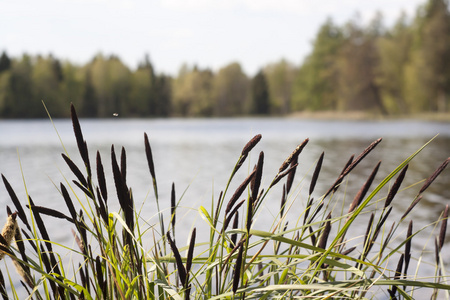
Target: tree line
[364,67]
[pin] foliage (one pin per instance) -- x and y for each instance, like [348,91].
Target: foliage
[352,67]
[314,258]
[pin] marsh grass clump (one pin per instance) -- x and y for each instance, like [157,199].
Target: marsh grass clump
[313,256]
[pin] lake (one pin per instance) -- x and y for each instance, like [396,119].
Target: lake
[199,154]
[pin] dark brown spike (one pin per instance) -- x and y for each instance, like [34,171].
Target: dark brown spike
[173,207]
[51,212]
[291,175]
[363,191]
[239,191]
[73,167]
[99,271]
[443,230]
[148,152]
[231,214]
[325,233]
[179,262]
[16,202]
[190,254]
[256,182]
[434,175]
[367,239]
[319,208]
[282,175]
[251,144]
[316,173]
[82,146]
[103,210]
[393,191]
[101,178]
[408,247]
[339,180]
[417,200]
[123,165]
[307,210]
[237,270]
[235,226]
[84,190]
[68,201]
[293,155]
[283,201]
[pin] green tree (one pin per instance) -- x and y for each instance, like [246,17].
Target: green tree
[5,62]
[395,53]
[316,83]
[142,100]
[280,78]
[231,91]
[260,94]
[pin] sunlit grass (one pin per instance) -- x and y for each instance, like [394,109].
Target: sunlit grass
[119,255]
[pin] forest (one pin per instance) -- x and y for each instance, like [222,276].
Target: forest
[399,70]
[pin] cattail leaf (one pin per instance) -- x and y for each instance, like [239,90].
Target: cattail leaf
[316,173]
[251,144]
[73,167]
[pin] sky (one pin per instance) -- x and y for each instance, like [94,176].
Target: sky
[208,33]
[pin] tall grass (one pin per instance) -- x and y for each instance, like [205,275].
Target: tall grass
[314,258]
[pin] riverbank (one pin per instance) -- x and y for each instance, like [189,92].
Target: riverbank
[361,115]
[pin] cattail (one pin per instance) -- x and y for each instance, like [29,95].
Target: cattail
[362,192]
[434,175]
[443,228]
[282,175]
[68,201]
[148,152]
[395,187]
[173,207]
[235,226]
[293,155]
[283,201]
[82,146]
[15,200]
[73,167]
[338,181]
[325,233]
[84,190]
[256,182]
[239,191]
[179,262]
[316,173]
[123,165]
[231,214]
[251,144]
[417,200]
[8,232]
[237,270]
[101,178]
[51,212]
[408,247]
[190,255]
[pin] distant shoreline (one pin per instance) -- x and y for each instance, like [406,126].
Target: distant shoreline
[365,116]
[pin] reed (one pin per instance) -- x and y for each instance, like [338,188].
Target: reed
[118,255]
